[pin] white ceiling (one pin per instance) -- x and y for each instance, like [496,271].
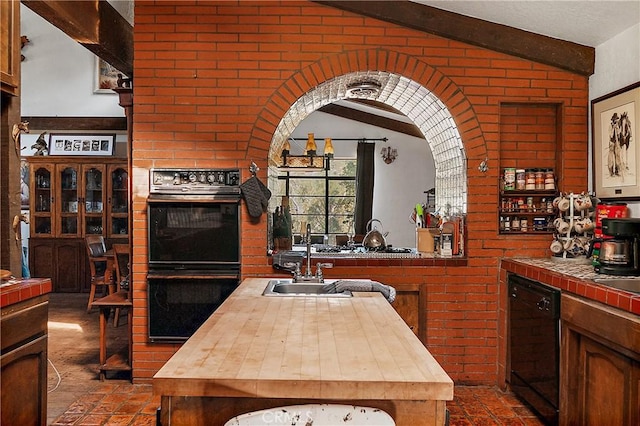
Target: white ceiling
[589,23]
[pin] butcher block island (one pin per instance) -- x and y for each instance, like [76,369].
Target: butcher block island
[258,352]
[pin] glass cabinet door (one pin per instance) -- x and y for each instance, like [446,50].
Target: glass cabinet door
[118,200]
[93,181]
[41,201]
[67,207]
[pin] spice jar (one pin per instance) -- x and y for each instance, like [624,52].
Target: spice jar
[520,179]
[530,180]
[549,179]
[539,179]
[509,179]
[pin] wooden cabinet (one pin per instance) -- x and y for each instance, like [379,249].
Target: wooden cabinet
[600,364]
[410,304]
[63,260]
[117,222]
[70,198]
[24,362]
[10,50]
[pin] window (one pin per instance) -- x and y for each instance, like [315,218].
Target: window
[324,199]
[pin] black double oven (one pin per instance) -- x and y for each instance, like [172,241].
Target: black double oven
[194,248]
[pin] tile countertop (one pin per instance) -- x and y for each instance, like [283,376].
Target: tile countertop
[19,289]
[575,278]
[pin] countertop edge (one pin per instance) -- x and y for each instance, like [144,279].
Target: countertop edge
[576,279]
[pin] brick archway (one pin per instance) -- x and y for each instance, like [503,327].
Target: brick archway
[426,96]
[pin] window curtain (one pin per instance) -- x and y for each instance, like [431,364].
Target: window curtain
[365,173]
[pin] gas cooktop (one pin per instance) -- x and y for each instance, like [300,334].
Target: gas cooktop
[359,249]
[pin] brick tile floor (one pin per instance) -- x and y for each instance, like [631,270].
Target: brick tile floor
[120,403]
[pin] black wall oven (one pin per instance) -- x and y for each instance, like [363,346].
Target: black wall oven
[194,248]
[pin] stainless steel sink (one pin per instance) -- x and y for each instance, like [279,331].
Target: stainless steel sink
[287,287]
[628,284]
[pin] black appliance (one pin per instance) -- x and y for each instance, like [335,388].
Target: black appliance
[619,253]
[534,345]
[194,247]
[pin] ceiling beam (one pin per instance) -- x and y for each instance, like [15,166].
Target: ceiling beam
[94,24]
[372,119]
[566,55]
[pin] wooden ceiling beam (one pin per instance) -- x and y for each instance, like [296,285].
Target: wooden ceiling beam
[566,55]
[94,24]
[372,119]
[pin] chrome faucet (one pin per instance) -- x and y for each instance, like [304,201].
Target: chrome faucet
[319,266]
[295,268]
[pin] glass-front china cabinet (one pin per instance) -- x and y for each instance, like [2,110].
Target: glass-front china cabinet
[70,198]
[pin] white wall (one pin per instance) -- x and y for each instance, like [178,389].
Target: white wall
[59,74]
[617,66]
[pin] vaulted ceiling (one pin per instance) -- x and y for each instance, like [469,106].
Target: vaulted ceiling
[100,28]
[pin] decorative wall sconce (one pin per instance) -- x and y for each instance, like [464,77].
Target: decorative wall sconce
[389,154]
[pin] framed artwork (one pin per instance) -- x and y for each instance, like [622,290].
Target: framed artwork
[34,144]
[615,121]
[82,144]
[106,77]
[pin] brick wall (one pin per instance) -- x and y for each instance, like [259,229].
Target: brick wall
[213,79]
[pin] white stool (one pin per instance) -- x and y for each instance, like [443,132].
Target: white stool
[320,414]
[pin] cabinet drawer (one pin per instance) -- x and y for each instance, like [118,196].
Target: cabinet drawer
[24,324]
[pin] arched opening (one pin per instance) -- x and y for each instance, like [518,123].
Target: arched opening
[421,106]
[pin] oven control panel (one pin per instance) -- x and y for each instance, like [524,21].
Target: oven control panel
[193,180]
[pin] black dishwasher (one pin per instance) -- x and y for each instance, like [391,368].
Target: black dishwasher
[534,345]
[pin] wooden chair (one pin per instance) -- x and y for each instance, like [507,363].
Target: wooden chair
[99,265]
[121,264]
[121,253]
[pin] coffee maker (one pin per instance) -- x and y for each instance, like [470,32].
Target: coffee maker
[620,247]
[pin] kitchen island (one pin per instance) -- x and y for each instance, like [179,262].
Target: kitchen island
[257,352]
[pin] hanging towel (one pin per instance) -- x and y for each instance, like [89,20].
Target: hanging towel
[256,195]
[340,286]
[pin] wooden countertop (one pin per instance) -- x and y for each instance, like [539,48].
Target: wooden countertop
[304,347]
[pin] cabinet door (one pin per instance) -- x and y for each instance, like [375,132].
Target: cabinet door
[92,199]
[10,51]
[69,266]
[24,384]
[67,209]
[42,259]
[118,202]
[609,386]
[41,200]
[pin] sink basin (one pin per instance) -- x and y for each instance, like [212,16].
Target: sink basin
[628,284]
[287,287]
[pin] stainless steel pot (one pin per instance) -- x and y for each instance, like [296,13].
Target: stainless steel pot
[374,239]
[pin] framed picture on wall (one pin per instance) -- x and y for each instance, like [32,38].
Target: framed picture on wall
[34,144]
[106,77]
[82,144]
[615,121]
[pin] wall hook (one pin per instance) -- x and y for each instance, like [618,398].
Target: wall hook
[253,168]
[484,167]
